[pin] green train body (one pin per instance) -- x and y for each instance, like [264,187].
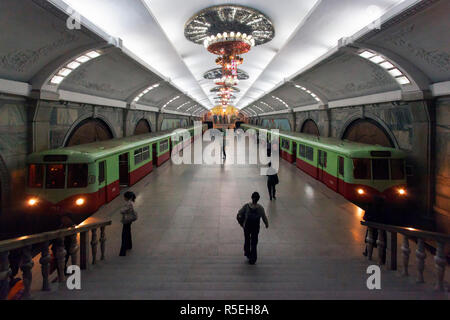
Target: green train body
[79,179]
[357,171]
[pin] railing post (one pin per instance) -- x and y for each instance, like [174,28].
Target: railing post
[405,251]
[73,251]
[44,261]
[84,254]
[27,265]
[4,275]
[381,245]
[94,243]
[440,262]
[391,250]
[60,255]
[102,242]
[420,255]
[370,242]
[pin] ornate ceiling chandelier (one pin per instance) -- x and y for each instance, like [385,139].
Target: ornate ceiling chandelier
[228,31]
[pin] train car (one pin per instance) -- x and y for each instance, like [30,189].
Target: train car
[355,170]
[80,179]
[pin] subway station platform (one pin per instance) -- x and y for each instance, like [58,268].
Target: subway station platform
[188,245]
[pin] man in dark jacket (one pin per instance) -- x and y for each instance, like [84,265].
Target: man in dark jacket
[253,213]
[272,181]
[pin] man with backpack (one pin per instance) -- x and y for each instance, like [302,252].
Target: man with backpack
[249,218]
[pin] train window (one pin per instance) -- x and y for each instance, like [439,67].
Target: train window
[310,153]
[35,175]
[55,176]
[137,156]
[145,153]
[163,146]
[361,168]
[397,169]
[380,168]
[285,144]
[302,150]
[322,158]
[77,175]
[341,166]
[101,172]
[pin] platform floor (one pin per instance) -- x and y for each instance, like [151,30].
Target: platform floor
[188,245]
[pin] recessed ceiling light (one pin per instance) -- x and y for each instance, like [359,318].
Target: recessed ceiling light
[377,59]
[57,79]
[83,59]
[387,65]
[403,80]
[395,72]
[367,54]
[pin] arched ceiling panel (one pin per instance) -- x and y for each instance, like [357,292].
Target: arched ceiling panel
[111,75]
[178,103]
[34,33]
[293,96]
[346,75]
[160,95]
[417,37]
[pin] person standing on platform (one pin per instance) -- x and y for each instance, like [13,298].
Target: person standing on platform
[224,144]
[129,215]
[272,181]
[249,217]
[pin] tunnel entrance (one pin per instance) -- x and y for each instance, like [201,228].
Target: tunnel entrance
[142,127]
[89,130]
[368,131]
[310,127]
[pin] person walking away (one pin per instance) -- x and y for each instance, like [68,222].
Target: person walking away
[252,213]
[224,144]
[129,215]
[272,181]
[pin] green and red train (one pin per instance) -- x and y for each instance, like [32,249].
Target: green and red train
[80,179]
[355,170]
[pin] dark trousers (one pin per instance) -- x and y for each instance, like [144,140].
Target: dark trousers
[250,244]
[271,188]
[223,151]
[126,238]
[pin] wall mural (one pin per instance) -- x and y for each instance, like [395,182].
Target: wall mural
[281,124]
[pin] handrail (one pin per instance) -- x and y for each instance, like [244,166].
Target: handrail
[19,242]
[411,232]
[43,240]
[387,248]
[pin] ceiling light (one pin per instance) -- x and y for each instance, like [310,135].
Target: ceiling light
[145,91]
[377,59]
[387,65]
[403,80]
[395,72]
[65,71]
[367,54]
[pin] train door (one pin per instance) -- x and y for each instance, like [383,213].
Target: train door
[102,190]
[294,152]
[340,175]
[155,153]
[322,164]
[124,170]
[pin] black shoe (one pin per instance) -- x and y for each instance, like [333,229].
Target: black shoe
[270,198]
[275,198]
[122,254]
[252,262]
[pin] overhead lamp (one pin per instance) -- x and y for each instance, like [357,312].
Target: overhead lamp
[145,91]
[78,61]
[389,66]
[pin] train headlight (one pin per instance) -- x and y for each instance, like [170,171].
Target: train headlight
[401,191]
[360,191]
[80,201]
[32,202]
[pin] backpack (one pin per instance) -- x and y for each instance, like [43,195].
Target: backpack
[253,216]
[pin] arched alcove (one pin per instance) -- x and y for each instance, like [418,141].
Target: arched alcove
[142,127]
[310,127]
[89,130]
[368,131]
[4,186]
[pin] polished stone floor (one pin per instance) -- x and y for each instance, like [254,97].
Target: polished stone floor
[188,245]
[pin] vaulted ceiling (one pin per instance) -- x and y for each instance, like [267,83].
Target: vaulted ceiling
[324,52]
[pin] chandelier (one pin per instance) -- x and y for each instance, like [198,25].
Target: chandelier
[228,31]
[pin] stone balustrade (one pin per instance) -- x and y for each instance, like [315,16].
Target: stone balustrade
[387,249]
[41,242]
